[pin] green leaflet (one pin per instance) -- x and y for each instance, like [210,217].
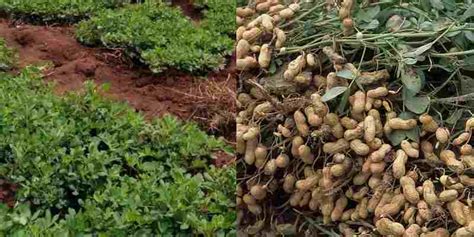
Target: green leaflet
[333,93]
[411,80]
[416,104]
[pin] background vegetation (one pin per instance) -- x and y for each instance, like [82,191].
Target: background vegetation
[53,11]
[160,36]
[150,31]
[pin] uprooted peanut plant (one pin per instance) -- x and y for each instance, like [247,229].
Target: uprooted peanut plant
[332,145]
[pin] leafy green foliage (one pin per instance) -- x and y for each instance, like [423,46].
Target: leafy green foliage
[64,11]
[219,15]
[90,166]
[159,35]
[7,56]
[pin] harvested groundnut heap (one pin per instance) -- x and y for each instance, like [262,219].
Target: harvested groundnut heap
[308,168]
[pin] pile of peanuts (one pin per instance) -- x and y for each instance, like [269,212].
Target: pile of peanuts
[257,31]
[298,159]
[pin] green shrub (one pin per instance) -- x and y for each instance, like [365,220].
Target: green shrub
[86,165]
[219,15]
[54,11]
[160,36]
[7,56]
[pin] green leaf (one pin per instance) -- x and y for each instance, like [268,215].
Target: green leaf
[468,13]
[21,219]
[413,134]
[396,137]
[461,41]
[426,26]
[273,68]
[333,93]
[425,4]
[454,117]
[468,63]
[469,35]
[406,115]
[417,105]
[437,4]
[450,5]
[410,61]
[411,80]
[368,15]
[453,33]
[278,61]
[370,26]
[345,73]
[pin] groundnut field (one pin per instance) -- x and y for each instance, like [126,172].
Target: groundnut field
[117,118]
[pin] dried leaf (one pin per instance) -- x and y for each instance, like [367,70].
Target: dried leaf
[255,228]
[286,229]
[418,51]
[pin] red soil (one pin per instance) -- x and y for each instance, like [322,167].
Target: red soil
[210,102]
[188,9]
[7,192]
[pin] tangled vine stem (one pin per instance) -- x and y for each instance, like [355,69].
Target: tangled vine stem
[466,97]
[462,53]
[373,37]
[303,15]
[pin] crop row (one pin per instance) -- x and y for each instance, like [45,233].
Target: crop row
[159,36]
[64,11]
[85,165]
[151,32]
